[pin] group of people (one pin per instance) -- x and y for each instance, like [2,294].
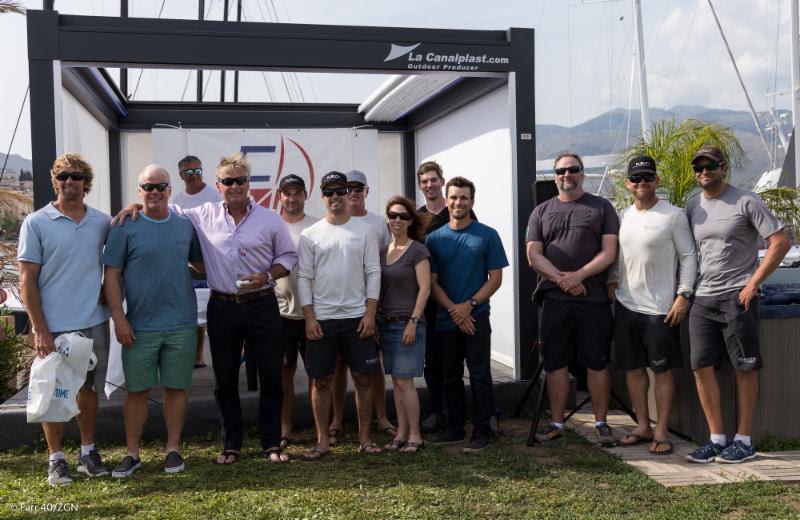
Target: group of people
[658,264]
[350,290]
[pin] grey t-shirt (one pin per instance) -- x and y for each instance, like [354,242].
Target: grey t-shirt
[726,230]
[399,287]
[572,234]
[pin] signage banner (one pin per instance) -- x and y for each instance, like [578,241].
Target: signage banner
[273,154]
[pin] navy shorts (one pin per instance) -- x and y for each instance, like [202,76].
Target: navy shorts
[575,332]
[644,340]
[720,324]
[340,337]
[293,335]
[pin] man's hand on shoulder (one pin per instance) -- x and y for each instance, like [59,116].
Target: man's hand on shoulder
[131,211]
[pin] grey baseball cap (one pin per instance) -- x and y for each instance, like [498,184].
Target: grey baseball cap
[357,176]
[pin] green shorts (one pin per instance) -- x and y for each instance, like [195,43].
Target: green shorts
[169,354]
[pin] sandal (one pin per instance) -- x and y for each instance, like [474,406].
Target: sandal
[395,445]
[287,441]
[332,434]
[412,447]
[275,455]
[233,455]
[315,454]
[370,449]
[389,430]
[656,451]
[635,439]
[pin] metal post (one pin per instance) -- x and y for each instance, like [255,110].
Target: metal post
[644,103]
[201,9]
[795,56]
[123,72]
[222,72]
[236,72]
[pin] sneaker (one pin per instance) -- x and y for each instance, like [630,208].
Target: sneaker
[706,452]
[494,424]
[604,435]
[476,444]
[551,433]
[58,473]
[92,465]
[174,463]
[736,452]
[434,423]
[447,437]
[127,467]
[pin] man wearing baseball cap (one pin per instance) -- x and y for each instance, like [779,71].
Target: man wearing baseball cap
[655,242]
[727,223]
[339,285]
[293,195]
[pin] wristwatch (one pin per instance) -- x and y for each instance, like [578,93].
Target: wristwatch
[270,279]
[414,320]
[474,302]
[686,294]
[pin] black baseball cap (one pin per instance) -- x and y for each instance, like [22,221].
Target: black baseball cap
[642,164]
[333,177]
[291,180]
[709,152]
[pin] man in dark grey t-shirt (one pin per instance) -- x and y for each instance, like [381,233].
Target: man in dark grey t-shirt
[727,222]
[571,241]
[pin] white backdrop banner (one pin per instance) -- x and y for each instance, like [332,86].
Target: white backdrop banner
[273,154]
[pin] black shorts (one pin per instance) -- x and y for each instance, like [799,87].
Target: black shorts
[340,337]
[644,340]
[294,341]
[575,332]
[720,323]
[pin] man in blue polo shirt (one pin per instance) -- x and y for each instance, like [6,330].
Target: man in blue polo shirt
[150,257]
[467,261]
[60,249]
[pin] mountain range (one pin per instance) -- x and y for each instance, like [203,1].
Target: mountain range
[16,162]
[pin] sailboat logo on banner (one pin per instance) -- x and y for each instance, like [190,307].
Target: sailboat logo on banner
[267,196]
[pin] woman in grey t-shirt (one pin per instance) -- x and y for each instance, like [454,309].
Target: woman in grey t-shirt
[405,286]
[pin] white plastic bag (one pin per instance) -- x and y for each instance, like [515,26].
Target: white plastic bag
[73,357]
[41,384]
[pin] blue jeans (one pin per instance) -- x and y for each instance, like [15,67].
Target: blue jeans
[458,347]
[402,361]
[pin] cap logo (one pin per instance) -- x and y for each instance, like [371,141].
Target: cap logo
[643,163]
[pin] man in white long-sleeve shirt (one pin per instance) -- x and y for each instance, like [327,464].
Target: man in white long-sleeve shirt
[654,241]
[339,286]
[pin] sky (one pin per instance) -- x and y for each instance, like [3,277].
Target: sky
[583,51]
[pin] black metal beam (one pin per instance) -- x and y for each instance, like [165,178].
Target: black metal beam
[201,7]
[123,72]
[87,89]
[115,169]
[409,165]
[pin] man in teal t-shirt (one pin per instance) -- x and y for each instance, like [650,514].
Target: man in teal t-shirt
[150,257]
[467,261]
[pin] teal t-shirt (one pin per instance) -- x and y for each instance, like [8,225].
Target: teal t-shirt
[153,255]
[462,260]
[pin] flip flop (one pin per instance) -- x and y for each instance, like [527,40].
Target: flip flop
[333,433]
[662,452]
[389,430]
[412,447]
[200,365]
[226,454]
[637,439]
[369,449]
[395,445]
[281,456]
[315,454]
[287,441]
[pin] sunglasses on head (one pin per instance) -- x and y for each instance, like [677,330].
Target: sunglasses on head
[75,176]
[230,181]
[710,166]
[358,188]
[330,192]
[636,178]
[193,171]
[150,186]
[570,169]
[402,216]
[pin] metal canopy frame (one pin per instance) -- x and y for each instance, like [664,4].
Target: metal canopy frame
[71,51]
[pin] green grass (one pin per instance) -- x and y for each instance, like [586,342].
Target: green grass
[509,480]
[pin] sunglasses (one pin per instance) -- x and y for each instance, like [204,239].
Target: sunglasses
[149,186]
[636,178]
[402,216]
[193,171]
[570,169]
[75,176]
[358,188]
[710,166]
[334,191]
[230,181]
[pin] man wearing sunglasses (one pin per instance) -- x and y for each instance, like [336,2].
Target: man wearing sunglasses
[727,223]
[196,191]
[655,242]
[60,264]
[339,284]
[147,265]
[571,242]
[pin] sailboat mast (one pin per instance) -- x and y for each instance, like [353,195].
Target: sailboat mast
[644,103]
[795,56]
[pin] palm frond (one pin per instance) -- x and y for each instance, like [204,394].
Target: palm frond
[14,203]
[784,202]
[9,6]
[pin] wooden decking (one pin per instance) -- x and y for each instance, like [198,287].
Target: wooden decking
[675,470]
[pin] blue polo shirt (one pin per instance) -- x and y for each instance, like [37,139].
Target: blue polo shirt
[70,255]
[462,259]
[154,256]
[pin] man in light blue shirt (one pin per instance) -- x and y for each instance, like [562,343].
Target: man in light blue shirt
[60,250]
